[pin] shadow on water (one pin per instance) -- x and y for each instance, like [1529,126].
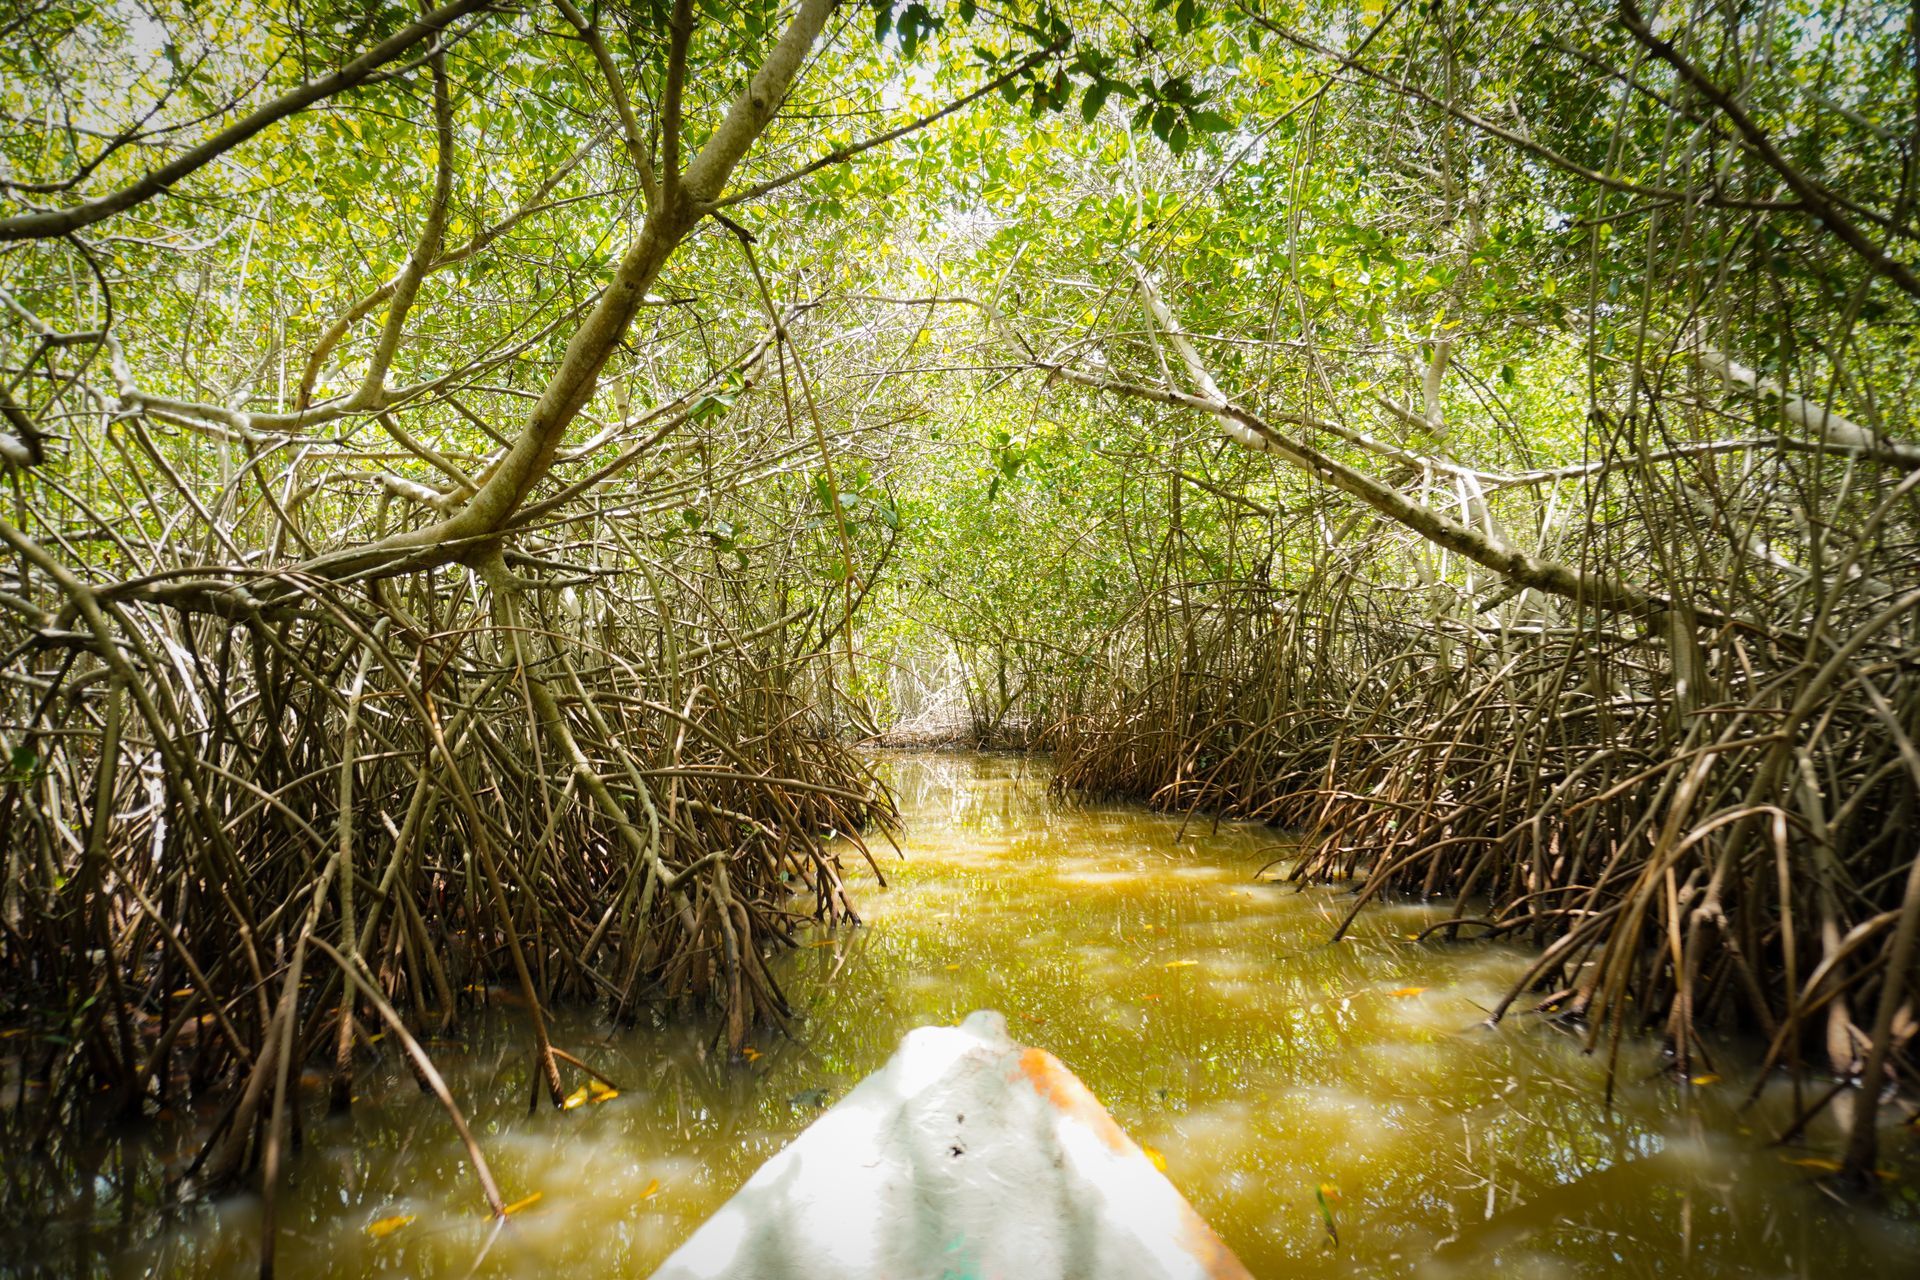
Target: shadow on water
[1274,1073]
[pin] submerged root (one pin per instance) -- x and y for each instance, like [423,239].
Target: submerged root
[1731,849]
[238,846]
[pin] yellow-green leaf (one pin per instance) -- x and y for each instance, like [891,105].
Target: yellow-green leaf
[525,1202]
[385,1227]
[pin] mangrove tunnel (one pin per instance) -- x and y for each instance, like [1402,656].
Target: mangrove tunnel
[571,571]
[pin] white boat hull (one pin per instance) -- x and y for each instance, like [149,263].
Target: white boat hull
[967,1157]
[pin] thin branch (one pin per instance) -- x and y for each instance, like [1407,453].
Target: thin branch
[46,223]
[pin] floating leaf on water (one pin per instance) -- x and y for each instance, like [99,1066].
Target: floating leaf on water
[651,1190]
[525,1202]
[1180,964]
[1704,1079]
[1034,1018]
[1326,1193]
[1406,991]
[1151,997]
[578,1098]
[387,1226]
[750,1053]
[952,967]
[1814,1162]
[1153,1154]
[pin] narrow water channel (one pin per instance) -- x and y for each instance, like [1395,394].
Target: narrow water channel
[1284,1080]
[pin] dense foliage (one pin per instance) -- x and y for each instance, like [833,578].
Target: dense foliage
[467,465]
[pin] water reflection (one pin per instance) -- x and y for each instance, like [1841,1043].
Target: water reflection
[1206,1009]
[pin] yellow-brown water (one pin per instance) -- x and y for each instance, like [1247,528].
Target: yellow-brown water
[1205,1007]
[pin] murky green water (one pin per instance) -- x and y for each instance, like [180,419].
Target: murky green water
[1205,1008]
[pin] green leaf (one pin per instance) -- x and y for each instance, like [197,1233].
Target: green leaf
[1096,98]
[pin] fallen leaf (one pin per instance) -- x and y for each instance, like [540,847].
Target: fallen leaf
[1153,1154]
[651,1190]
[1180,964]
[750,1053]
[1706,1079]
[387,1226]
[1154,997]
[525,1202]
[602,1092]
[1406,991]
[1326,1194]
[578,1098]
[1032,1017]
[1814,1162]
[952,967]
